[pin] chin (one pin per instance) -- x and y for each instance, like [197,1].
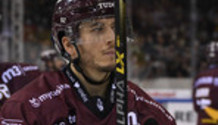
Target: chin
[108,68]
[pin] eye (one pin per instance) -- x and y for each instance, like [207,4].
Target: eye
[113,27]
[97,29]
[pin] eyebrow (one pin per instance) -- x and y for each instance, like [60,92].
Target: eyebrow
[96,24]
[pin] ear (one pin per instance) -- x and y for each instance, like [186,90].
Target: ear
[69,47]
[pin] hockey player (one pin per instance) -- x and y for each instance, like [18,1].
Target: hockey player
[84,92]
[205,89]
[51,60]
[13,76]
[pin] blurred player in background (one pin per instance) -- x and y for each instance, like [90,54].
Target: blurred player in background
[84,92]
[51,60]
[13,76]
[205,89]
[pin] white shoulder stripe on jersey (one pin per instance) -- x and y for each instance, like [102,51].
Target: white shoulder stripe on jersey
[152,103]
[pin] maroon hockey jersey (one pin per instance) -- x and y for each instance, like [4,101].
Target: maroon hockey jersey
[58,98]
[14,76]
[205,93]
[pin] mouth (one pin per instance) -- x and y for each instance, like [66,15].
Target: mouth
[109,52]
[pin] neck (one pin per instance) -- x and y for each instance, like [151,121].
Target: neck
[93,90]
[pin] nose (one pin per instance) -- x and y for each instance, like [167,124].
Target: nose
[111,36]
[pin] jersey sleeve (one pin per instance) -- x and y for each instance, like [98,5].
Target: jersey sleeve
[150,112]
[159,115]
[17,114]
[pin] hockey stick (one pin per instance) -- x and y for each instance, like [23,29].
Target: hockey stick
[121,66]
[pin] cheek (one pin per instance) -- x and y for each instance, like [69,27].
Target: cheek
[89,53]
[92,46]
[96,39]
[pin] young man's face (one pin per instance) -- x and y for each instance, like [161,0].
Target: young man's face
[97,46]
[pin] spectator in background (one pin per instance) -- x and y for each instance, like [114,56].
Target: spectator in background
[205,89]
[52,61]
[162,36]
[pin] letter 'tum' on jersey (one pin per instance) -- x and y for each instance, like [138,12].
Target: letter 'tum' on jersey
[13,76]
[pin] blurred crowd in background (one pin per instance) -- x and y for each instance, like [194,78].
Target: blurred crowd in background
[163,46]
[162,33]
